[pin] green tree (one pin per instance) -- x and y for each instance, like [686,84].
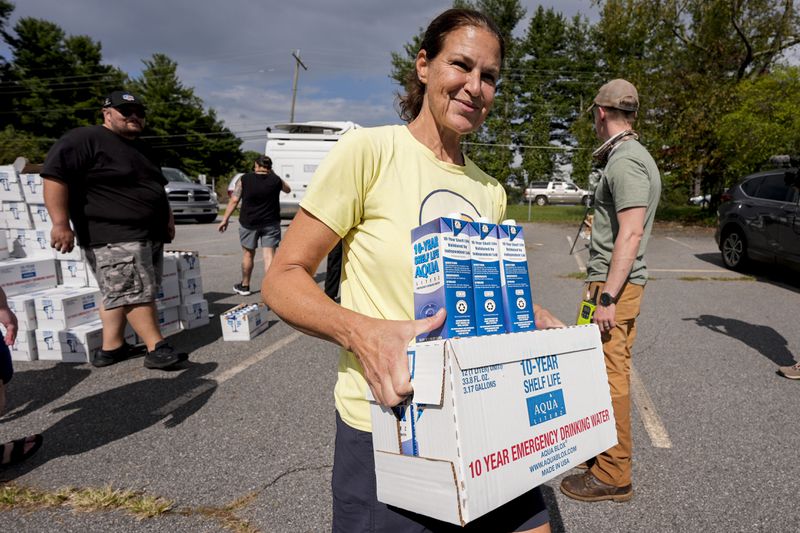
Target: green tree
[14,144]
[765,122]
[688,57]
[53,82]
[183,133]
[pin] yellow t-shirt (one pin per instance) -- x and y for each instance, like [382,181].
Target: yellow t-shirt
[372,189]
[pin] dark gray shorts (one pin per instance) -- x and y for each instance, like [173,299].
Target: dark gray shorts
[127,273]
[356,506]
[266,237]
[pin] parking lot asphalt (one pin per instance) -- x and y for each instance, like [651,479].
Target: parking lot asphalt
[241,438]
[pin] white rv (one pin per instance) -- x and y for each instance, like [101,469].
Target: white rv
[296,150]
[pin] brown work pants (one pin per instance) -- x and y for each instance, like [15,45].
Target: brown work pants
[614,466]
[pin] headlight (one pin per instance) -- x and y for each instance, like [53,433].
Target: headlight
[214,196]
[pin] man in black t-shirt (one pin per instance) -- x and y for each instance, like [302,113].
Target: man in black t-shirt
[259,218]
[105,181]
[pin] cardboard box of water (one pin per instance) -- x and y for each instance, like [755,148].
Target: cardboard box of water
[517,303]
[443,276]
[68,307]
[485,256]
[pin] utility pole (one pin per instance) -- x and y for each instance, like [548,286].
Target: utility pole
[298,63]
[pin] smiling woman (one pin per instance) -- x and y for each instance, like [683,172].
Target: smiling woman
[375,185]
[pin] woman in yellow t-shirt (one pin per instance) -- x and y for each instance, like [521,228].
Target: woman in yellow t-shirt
[375,185]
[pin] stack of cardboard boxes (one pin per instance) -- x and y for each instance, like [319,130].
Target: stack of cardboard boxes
[55,295]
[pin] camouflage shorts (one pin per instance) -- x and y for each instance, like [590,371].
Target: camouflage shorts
[127,273]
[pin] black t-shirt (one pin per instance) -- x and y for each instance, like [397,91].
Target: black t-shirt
[261,204]
[116,190]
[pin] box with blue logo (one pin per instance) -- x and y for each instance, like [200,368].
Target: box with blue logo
[63,308]
[516,284]
[485,255]
[443,276]
[491,418]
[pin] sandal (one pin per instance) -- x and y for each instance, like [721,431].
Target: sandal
[18,452]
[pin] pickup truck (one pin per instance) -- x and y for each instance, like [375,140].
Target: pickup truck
[556,192]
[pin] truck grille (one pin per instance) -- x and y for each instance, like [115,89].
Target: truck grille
[190,196]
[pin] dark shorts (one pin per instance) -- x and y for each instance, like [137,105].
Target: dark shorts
[356,507]
[266,237]
[128,273]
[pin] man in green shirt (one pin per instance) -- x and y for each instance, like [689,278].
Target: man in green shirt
[625,205]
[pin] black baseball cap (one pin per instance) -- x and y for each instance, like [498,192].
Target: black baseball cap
[120,98]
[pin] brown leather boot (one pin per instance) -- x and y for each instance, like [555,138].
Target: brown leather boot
[587,488]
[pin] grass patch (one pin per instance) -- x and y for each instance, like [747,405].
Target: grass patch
[574,275]
[717,278]
[225,515]
[86,500]
[546,213]
[686,215]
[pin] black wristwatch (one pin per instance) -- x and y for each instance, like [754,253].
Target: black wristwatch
[606,299]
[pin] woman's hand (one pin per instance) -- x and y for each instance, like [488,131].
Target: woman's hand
[381,348]
[545,319]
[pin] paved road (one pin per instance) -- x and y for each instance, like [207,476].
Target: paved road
[243,436]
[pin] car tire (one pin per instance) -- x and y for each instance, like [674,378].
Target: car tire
[207,219]
[541,200]
[734,249]
[586,201]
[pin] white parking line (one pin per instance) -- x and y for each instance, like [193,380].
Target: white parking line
[188,396]
[647,410]
[577,257]
[676,241]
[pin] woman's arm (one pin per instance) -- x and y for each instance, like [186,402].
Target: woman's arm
[290,290]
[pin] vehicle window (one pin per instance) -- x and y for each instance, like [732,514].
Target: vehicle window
[773,187]
[174,174]
[571,188]
[751,186]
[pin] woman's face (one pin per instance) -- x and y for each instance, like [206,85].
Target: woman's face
[460,81]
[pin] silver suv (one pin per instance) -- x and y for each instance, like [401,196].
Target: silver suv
[189,199]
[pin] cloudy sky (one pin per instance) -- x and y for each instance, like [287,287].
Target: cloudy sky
[237,54]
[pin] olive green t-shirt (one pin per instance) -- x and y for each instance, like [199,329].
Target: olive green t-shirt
[630,179]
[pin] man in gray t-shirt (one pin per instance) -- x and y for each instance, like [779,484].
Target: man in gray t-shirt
[625,205]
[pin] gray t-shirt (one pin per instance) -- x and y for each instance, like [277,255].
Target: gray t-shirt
[630,179]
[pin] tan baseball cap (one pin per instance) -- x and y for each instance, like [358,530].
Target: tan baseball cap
[619,94]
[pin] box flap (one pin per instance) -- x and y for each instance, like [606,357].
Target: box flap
[427,373]
[425,486]
[475,352]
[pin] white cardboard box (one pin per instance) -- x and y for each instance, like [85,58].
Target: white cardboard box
[495,416]
[169,320]
[19,276]
[29,244]
[73,273]
[24,347]
[168,293]
[170,266]
[244,322]
[64,308]
[15,214]
[24,307]
[9,184]
[32,188]
[193,315]
[188,262]
[40,217]
[74,345]
[5,249]
[191,288]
